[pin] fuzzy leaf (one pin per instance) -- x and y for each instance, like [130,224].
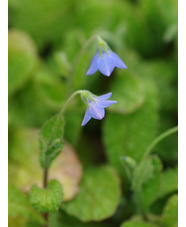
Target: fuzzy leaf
[98,195]
[51,144]
[46,200]
[142,173]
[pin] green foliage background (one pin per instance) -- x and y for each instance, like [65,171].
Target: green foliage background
[44,69]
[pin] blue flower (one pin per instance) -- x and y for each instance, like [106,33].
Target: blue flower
[96,106]
[105,62]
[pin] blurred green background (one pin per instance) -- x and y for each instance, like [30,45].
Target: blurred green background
[45,38]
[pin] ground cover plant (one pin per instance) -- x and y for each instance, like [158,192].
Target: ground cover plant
[93,113]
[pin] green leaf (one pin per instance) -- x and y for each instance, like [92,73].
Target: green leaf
[142,173]
[98,196]
[47,200]
[136,223]
[128,90]
[169,182]
[50,140]
[170,213]
[130,135]
[19,206]
[22,59]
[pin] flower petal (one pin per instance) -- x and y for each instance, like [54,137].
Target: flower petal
[117,60]
[104,103]
[106,96]
[95,112]
[105,64]
[93,66]
[86,118]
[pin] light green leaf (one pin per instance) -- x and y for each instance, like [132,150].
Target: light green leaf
[130,135]
[170,214]
[22,59]
[136,223]
[169,182]
[46,200]
[128,90]
[51,140]
[19,206]
[98,196]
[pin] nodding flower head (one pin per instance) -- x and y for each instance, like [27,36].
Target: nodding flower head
[95,106]
[105,60]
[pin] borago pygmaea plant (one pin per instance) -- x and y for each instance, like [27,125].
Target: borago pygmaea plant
[51,134]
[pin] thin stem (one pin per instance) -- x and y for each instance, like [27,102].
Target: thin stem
[45,182]
[61,114]
[159,138]
[45,175]
[45,178]
[46,216]
[77,57]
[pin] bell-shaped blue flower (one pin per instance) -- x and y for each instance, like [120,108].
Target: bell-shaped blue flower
[96,106]
[105,61]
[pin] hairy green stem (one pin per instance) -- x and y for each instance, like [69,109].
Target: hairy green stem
[87,43]
[80,53]
[45,182]
[159,138]
[61,114]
